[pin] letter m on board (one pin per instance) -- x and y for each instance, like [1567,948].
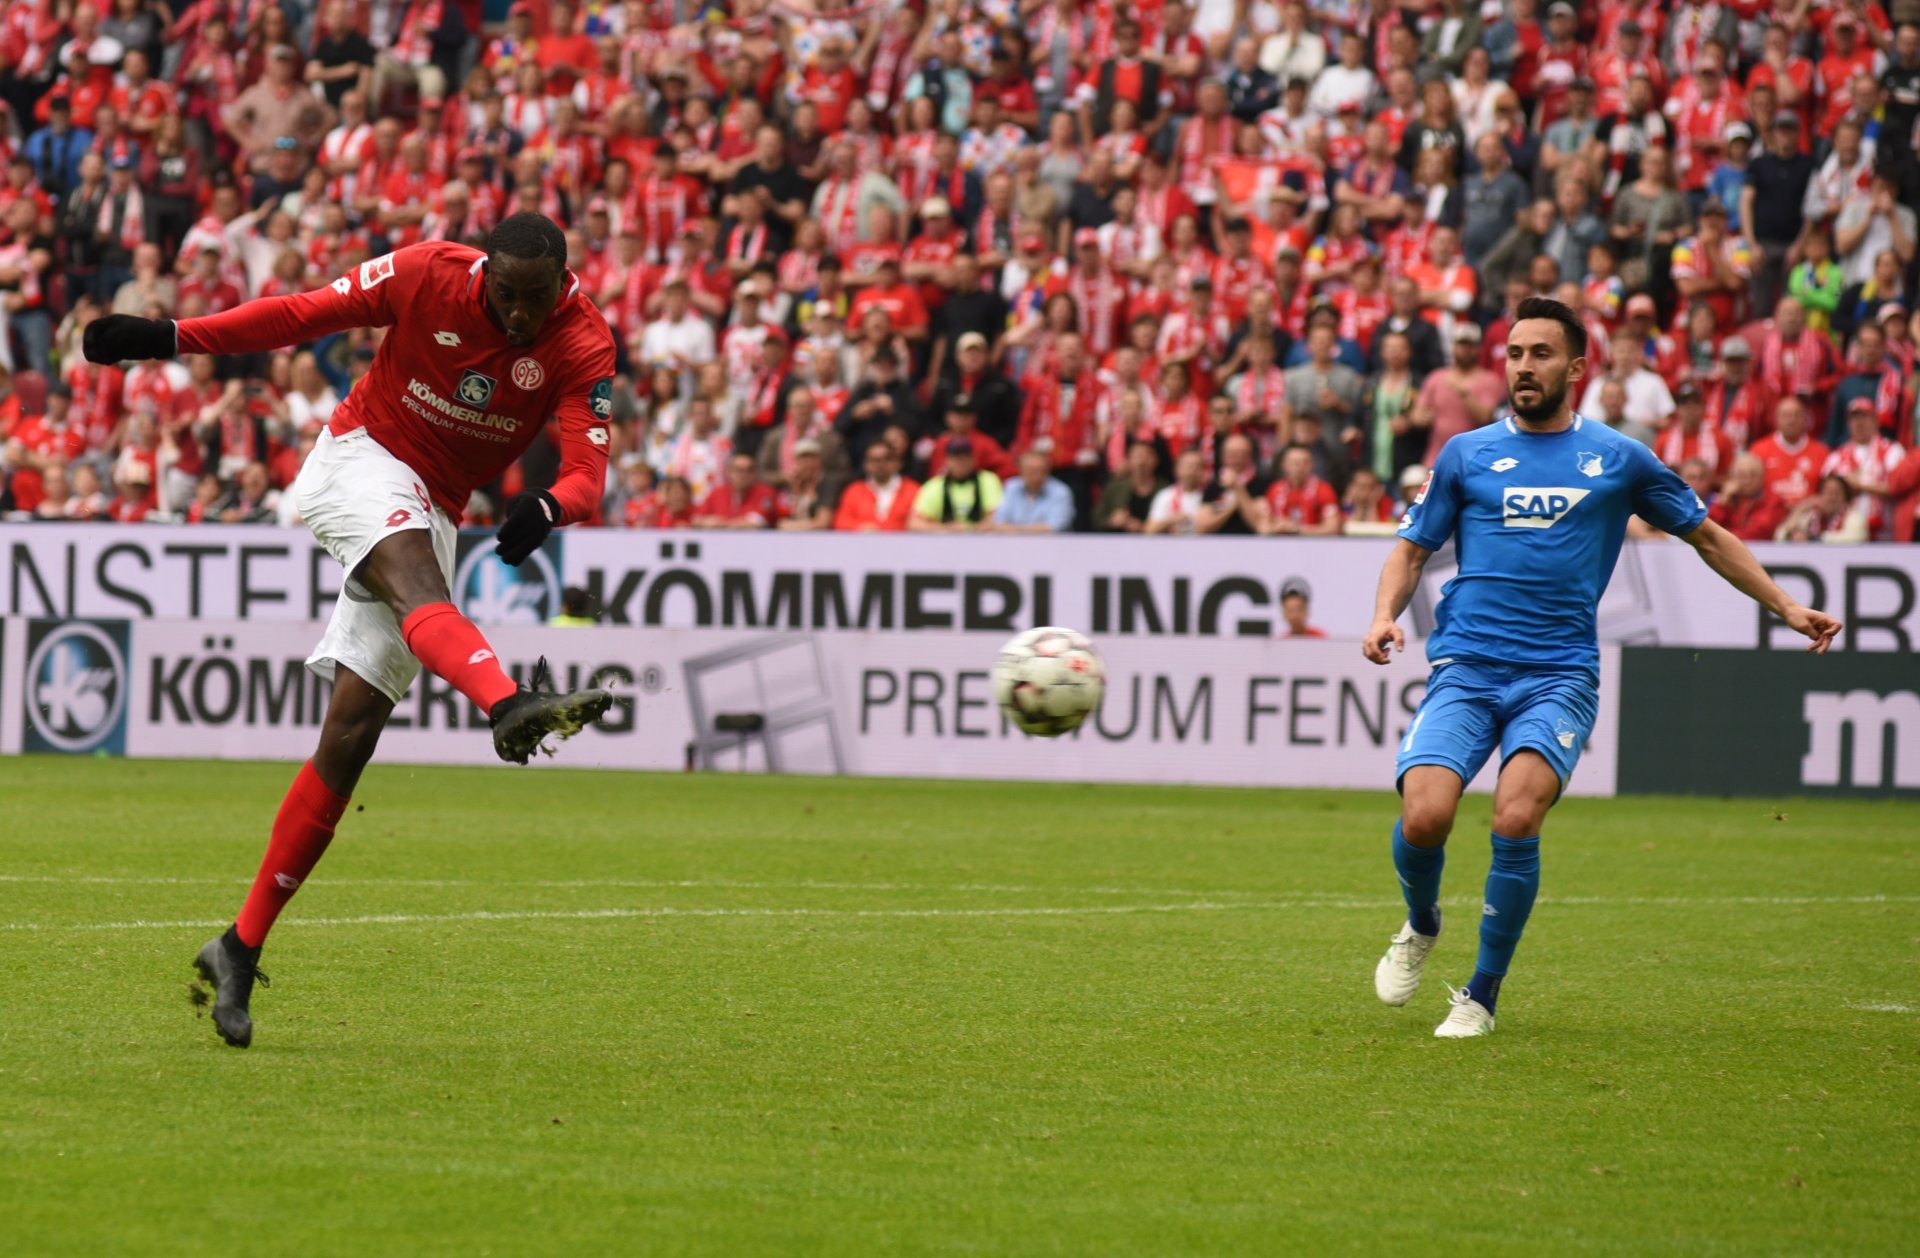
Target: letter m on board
[1875,720]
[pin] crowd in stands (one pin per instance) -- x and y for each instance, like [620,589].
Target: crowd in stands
[1240,266]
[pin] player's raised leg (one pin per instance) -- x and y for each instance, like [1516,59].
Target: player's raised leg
[405,574]
[302,829]
[1527,789]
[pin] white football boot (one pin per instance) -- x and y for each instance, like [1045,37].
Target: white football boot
[1397,976]
[1466,1019]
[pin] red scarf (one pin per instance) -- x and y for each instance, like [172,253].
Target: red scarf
[1200,144]
[1099,302]
[746,246]
[1807,363]
[840,213]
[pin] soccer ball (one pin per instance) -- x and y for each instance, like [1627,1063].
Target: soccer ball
[1048,680]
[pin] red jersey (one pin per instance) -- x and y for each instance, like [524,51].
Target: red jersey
[447,395]
[1793,471]
[1306,505]
[757,504]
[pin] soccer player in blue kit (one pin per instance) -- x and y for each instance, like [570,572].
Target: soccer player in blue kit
[1537,506]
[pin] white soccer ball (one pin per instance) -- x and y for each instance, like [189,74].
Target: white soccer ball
[1048,680]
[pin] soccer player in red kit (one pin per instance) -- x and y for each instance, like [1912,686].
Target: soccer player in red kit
[483,349]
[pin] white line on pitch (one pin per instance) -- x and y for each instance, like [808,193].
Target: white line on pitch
[1328,899]
[656,884]
[524,915]
[1192,906]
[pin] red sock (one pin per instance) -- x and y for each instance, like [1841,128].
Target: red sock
[453,650]
[301,833]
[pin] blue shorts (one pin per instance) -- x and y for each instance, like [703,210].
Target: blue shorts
[1472,705]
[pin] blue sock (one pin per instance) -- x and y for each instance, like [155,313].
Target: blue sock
[1419,869]
[1512,883]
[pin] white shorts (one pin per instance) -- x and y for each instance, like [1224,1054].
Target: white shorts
[352,493]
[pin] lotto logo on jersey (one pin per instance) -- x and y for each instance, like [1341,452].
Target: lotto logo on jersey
[1539,508]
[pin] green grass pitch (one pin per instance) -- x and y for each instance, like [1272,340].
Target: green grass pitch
[592,1013]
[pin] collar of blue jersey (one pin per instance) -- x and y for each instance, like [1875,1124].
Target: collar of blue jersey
[1517,429]
[476,289]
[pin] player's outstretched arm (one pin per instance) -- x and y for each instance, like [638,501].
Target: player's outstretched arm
[1729,556]
[359,299]
[1398,580]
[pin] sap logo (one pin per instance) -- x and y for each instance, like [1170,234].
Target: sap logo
[1504,465]
[1539,508]
[1876,720]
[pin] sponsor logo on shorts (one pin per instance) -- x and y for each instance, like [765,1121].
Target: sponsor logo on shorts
[528,373]
[1528,508]
[475,389]
[76,687]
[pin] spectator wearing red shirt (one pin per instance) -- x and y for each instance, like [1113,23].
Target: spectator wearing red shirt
[831,83]
[1792,459]
[563,47]
[882,501]
[1060,416]
[1300,502]
[1790,77]
[1847,55]
[741,501]
[208,285]
[671,508]
[906,311]
[1746,507]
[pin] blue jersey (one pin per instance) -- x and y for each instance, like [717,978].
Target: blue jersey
[1537,521]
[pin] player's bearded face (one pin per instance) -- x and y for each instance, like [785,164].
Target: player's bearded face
[522,293]
[1539,371]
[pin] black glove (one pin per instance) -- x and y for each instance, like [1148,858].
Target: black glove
[128,338]
[528,522]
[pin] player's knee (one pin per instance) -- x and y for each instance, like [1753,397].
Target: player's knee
[1426,823]
[1519,819]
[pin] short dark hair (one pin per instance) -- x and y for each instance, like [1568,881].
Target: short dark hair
[1560,313]
[528,235]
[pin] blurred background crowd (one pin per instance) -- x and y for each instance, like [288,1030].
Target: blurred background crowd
[1237,266]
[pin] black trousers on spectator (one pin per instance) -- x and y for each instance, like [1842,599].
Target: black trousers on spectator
[169,219]
[1084,482]
[1769,282]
